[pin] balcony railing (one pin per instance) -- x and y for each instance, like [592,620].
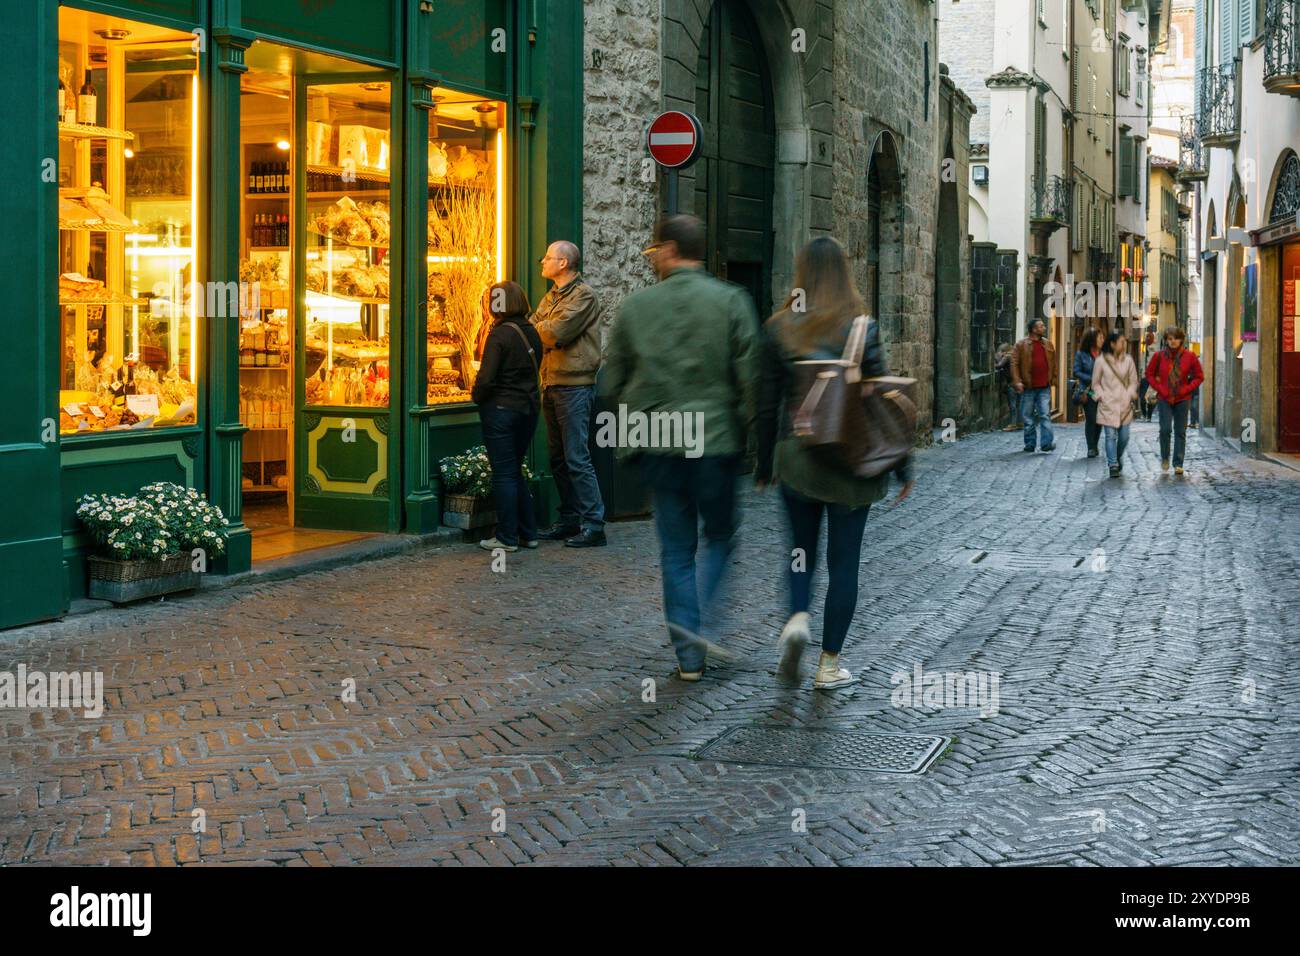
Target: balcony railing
[1282,46]
[1191,154]
[1220,119]
[1050,207]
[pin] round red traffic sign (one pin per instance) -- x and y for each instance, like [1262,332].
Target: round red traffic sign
[674,139]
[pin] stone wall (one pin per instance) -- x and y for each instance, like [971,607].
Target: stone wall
[622,79]
[966,41]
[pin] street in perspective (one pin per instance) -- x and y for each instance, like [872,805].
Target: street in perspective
[640,433]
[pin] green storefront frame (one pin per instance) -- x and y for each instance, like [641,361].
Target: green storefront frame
[527,53]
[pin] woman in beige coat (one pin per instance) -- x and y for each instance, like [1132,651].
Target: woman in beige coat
[1115,385]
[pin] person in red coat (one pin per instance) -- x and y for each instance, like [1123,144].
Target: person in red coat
[1175,374]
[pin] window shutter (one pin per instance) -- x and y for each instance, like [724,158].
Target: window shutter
[1200,56]
[1245,21]
[1226,21]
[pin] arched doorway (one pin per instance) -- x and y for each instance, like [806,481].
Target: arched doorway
[734,176]
[950,370]
[1283,207]
[1233,342]
[884,286]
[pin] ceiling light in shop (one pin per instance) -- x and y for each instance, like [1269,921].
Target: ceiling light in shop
[282,144]
[129,153]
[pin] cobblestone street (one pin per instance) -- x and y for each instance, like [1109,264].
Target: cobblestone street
[1145,631]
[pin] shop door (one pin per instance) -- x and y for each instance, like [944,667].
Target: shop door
[735,174]
[347,282]
[1288,371]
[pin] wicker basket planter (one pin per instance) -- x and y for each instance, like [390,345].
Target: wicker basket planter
[124,581]
[467,512]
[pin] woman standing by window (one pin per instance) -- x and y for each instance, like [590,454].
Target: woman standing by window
[508,404]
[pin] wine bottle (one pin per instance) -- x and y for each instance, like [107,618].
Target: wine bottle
[63,99]
[87,103]
[252,177]
[282,178]
[261,177]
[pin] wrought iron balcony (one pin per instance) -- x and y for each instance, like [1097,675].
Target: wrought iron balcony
[1191,154]
[1220,115]
[1282,46]
[1050,204]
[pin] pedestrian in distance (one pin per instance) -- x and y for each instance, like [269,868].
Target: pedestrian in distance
[568,319]
[1144,409]
[1115,385]
[810,488]
[509,401]
[1084,397]
[686,350]
[1174,374]
[1002,373]
[1033,367]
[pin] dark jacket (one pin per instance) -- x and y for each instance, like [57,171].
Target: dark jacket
[687,344]
[1082,372]
[1189,367]
[569,321]
[784,457]
[507,375]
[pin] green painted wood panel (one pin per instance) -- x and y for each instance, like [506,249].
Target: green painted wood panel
[369,30]
[468,43]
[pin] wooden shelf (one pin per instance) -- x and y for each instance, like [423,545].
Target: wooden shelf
[345,242]
[283,197]
[124,300]
[368,175]
[87,131]
[97,226]
[364,300]
[350,193]
[269,248]
[264,368]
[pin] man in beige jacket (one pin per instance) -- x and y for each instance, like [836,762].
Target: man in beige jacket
[568,319]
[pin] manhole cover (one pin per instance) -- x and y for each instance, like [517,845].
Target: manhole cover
[826,749]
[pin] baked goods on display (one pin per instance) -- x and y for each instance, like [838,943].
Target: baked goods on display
[358,281]
[361,224]
[88,207]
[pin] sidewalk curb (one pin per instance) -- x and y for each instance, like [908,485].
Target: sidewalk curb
[291,566]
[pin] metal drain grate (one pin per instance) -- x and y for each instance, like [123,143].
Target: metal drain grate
[826,749]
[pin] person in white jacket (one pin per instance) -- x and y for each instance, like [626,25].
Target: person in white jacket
[1115,384]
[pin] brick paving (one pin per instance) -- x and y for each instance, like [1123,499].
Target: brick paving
[1148,711]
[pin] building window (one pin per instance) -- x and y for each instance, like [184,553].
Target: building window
[129,261]
[1122,58]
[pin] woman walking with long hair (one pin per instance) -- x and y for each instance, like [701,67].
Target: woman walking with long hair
[815,324]
[1115,383]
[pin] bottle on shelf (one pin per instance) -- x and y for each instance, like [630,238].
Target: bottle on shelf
[252,177]
[63,100]
[87,103]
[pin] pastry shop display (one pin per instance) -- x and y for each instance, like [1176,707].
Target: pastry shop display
[358,281]
[90,208]
[362,224]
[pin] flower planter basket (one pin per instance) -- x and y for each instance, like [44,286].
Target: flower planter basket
[467,512]
[124,581]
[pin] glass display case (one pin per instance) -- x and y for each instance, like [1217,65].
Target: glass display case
[347,323]
[466,237]
[129,299]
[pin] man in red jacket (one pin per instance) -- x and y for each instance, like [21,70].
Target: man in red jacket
[1175,374]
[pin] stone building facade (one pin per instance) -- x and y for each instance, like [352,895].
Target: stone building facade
[822,117]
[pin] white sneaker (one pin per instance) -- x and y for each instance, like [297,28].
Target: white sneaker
[794,638]
[491,544]
[830,674]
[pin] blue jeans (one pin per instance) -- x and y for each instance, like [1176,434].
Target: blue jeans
[687,491]
[506,435]
[1013,404]
[1036,410]
[844,527]
[1116,442]
[568,410]
[1173,418]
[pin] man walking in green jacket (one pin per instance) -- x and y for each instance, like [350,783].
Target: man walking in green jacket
[682,363]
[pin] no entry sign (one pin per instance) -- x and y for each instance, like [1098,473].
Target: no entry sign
[674,139]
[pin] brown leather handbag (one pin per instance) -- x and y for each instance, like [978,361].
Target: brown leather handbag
[864,426]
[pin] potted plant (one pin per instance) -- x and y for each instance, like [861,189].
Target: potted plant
[155,542]
[467,489]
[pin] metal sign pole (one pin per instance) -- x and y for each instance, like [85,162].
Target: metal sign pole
[670,181]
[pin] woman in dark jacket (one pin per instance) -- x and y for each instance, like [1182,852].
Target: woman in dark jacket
[815,324]
[508,403]
[1084,360]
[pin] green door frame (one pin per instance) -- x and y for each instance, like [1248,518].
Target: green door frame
[380,510]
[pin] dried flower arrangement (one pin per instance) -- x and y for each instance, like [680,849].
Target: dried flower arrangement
[462,223]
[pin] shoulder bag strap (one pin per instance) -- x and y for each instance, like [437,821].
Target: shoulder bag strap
[528,345]
[853,349]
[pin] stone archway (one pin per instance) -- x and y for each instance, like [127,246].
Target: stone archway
[1234,216]
[950,354]
[790,75]
[884,273]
